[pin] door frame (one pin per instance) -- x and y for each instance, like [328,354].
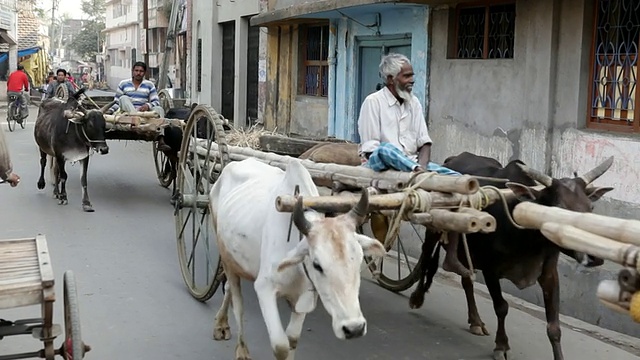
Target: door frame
[372,41]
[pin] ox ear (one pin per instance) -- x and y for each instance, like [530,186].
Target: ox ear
[522,192]
[295,256]
[371,247]
[597,193]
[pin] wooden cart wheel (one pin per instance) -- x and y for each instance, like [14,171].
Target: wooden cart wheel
[165,100]
[197,247]
[73,346]
[62,92]
[164,169]
[397,271]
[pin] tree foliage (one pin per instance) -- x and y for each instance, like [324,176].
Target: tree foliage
[89,41]
[95,9]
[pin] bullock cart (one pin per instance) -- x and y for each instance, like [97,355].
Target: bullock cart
[26,278]
[606,237]
[425,199]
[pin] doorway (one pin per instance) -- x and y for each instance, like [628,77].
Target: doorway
[370,51]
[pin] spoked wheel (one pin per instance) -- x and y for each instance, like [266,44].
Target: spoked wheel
[165,100]
[73,347]
[164,169]
[10,114]
[397,271]
[197,246]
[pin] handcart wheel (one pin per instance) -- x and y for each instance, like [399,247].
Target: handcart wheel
[164,169]
[397,271]
[73,346]
[197,246]
[165,100]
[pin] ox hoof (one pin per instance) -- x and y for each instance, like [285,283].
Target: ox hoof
[242,353]
[63,201]
[222,332]
[501,355]
[41,184]
[416,300]
[87,208]
[479,330]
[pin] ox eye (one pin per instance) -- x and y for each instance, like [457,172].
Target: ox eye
[318,267]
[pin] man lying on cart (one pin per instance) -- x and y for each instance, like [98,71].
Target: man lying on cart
[394,135]
[138,94]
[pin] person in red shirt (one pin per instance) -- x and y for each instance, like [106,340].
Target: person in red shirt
[16,82]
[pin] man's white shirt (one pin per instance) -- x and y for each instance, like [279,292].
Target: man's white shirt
[384,119]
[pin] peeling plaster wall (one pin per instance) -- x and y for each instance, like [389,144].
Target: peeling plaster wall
[496,107]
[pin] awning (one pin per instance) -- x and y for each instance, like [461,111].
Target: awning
[327,9]
[21,53]
[7,39]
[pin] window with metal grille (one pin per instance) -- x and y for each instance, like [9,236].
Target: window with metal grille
[314,69]
[199,68]
[614,66]
[485,32]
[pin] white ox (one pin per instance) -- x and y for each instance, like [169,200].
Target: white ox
[255,244]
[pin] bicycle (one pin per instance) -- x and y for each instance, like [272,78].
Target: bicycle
[14,113]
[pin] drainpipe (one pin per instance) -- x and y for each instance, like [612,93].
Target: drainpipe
[332,60]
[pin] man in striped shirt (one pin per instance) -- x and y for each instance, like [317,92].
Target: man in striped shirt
[138,94]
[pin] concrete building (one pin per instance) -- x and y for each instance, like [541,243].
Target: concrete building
[123,40]
[550,82]
[8,39]
[158,16]
[226,57]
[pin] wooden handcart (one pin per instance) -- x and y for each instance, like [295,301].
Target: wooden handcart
[26,278]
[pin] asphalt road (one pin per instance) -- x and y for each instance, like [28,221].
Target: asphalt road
[134,304]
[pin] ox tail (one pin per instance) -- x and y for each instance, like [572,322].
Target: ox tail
[429,262]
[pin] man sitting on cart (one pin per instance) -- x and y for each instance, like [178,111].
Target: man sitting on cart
[6,168]
[139,94]
[61,80]
[394,135]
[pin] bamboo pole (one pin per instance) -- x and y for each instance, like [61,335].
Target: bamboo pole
[453,221]
[395,180]
[487,222]
[571,237]
[533,216]
[392,201]
[141,120]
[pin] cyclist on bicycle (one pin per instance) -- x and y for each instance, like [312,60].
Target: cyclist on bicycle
[16,82]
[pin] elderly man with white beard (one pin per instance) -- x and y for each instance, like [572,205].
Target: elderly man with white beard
[393,135]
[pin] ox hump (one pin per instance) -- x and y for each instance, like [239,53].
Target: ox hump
[297,174]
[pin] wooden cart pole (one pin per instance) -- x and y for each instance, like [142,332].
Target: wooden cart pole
[533,216]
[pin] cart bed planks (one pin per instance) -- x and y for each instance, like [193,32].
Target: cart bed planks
[26,274]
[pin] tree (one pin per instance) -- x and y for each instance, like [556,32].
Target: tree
[94,9]
[89,41]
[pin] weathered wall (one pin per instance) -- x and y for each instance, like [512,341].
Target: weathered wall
[495,107]
[211,15]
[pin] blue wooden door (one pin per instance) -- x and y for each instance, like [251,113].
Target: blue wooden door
[369,80]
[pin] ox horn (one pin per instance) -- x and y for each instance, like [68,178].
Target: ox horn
[107,107]
[360,211]
[299,219]
[596,172]
[537,175]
